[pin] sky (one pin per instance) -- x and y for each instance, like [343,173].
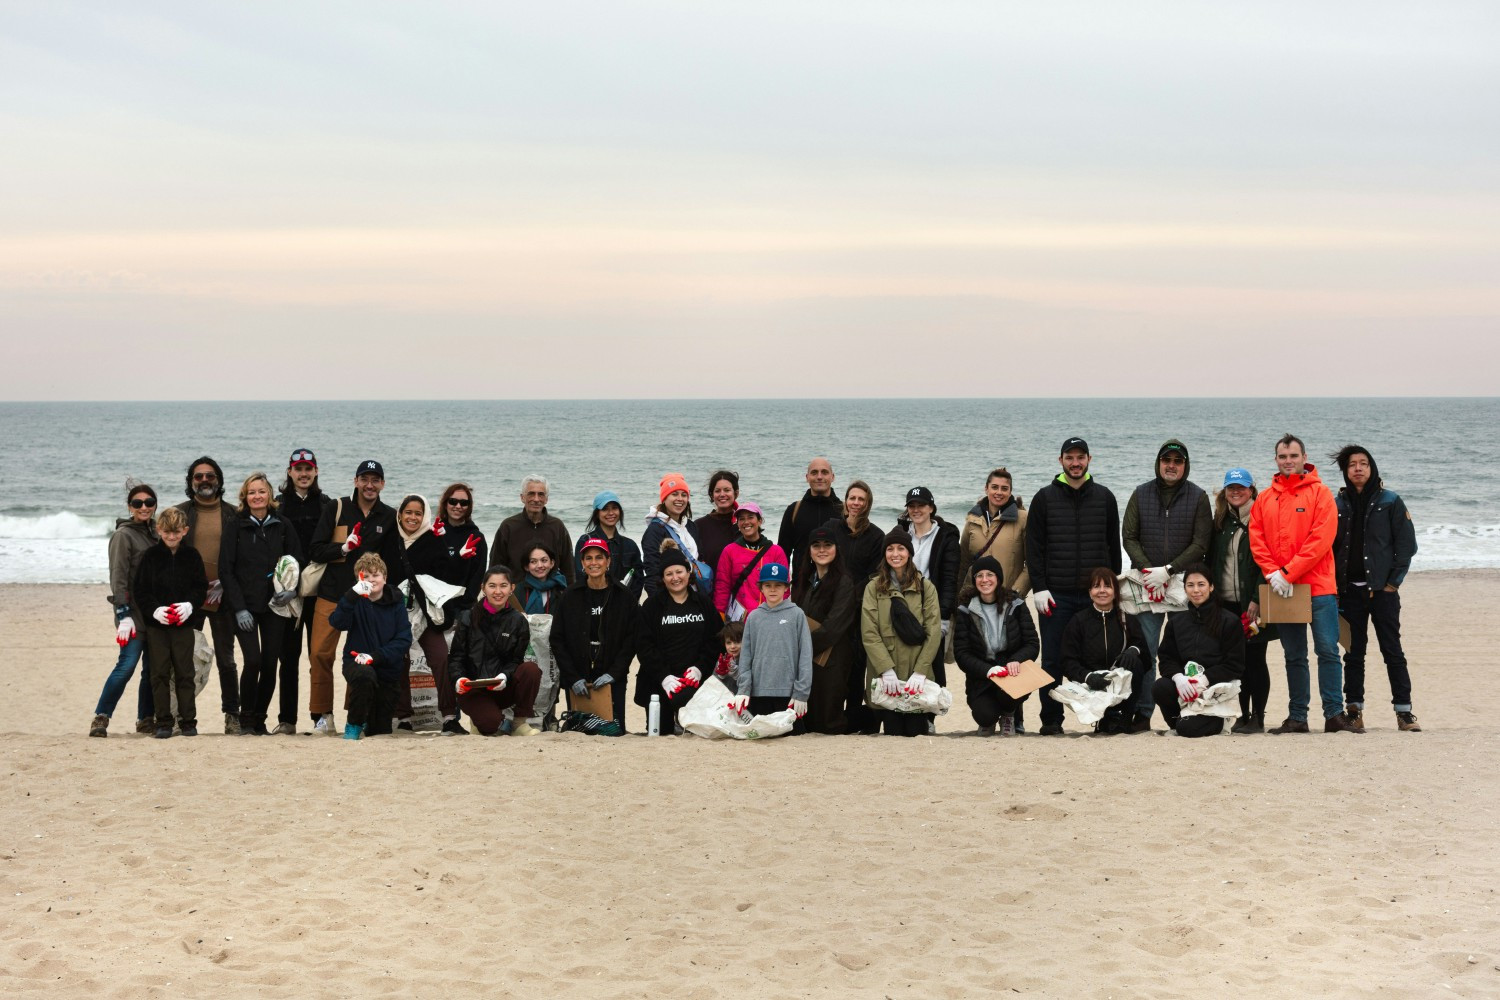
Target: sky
[206,200]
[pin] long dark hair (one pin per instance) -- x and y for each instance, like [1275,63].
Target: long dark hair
[1213,619]
[806,572]
[593,524]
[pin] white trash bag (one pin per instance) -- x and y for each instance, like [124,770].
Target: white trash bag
[1133,600]
[1090,705]
[934,699]
[1222,700]
[708,715]
[285,577]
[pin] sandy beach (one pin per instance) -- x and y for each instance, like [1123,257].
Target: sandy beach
[1330,866]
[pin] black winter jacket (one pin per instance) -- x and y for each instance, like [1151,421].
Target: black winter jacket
[1390,537]
[166,577]
[488,645]
[969,646]
[861,554]
[438,556]
[942,564]
[810,512]
[1069,532]
[1094,641]
[303,515]
[1185,637]
[618,635]
[674,637]
[377,533]
[248,554]
[624,559]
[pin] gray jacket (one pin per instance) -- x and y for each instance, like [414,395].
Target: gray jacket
[126,546]
[776,655]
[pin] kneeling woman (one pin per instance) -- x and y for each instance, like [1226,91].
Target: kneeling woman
[1207,634]
[679,641]
[489,644]
[992,634]
[890,660]
[1101,637]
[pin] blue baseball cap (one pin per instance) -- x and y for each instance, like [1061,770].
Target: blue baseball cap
[773,572]
[606,497]
[1239,477]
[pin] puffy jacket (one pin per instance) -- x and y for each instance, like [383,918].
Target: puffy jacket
[733,563]
[969,650]
[488,645]
[1069,532]
[1390,537]
[248,554]
[1185,637]
[884,649]
[379,628]
[942,563]
[166,577]
[1094,639]
[1292,528]
[1167,525]
[1008,547]
[674,637]
[619,627]
[126,546]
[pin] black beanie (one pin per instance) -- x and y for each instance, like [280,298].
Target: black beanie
[898,537]
[672,557]
[990,563]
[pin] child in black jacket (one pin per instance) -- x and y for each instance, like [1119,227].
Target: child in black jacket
[170,587]
[378,634]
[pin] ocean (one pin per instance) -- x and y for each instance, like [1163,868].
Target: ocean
[64,465]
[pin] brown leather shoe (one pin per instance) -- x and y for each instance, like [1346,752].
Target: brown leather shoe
[1407,723]
[1341,723]
[1291,726]
[1355,717]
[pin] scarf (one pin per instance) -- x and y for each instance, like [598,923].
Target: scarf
[539,593]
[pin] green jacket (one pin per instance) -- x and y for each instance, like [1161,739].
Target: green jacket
[1249,575]
[884,650]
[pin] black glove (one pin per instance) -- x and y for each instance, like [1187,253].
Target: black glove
[1130,659]
[1097,681]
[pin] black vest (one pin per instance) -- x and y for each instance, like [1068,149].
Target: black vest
[1166,529]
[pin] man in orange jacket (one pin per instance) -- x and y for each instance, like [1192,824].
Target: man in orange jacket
[1292,528]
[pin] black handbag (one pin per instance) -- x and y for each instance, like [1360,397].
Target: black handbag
[908,629]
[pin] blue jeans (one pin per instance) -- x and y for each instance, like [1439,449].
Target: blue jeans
[1325,633]
[131,653]
[1069,603]
[1151,623]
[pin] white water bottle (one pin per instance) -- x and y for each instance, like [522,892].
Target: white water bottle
[653,716]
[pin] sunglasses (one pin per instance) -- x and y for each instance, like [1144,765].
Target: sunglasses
[456,502]
[140,502]
[203,477]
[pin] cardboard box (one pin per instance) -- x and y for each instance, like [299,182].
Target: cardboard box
[1294,610]
[1032,678]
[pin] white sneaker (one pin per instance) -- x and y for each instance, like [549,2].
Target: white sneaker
[325,726]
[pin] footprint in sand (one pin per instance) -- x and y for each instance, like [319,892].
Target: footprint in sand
[1033,811]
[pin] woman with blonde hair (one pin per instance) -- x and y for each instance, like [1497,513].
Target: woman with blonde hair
[256,541]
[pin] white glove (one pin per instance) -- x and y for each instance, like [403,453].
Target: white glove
[915,683]
[999,670]
[1043,601]
[799,707]
[890,683]
[163,615]
[183,610]
[363,659]
[1156,582]
[739,703]
[352,541]
[1280,584]
[671,684]
[126,631]
[500,685]
[363,587]
[1189,688]
[693,676]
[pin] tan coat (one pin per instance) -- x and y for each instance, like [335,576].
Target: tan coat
[884,650]
[1008,549]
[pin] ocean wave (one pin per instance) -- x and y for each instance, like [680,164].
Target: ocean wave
[64,524]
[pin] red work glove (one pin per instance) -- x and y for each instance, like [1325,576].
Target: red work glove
[438,528]
[471,547]
[352,542]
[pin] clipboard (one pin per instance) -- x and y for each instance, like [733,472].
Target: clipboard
[1294,610]
[1032,678]
[598,702]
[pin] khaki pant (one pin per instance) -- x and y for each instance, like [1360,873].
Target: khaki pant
[325,649]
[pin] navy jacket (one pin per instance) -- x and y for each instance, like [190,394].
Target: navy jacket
[1390,537]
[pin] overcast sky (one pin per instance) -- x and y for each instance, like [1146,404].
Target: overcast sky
[478,200]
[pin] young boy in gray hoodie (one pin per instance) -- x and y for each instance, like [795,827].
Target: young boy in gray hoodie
[775,667]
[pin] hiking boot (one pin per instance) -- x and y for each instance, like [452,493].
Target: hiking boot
[455,727]
[163,732]
[985,731]
[100,726]
[1407,723]
[232,724]
[1340,724]
[1249,724]
[1291,726]
[1051,729]
[145,726]
[525,729]
[285,729]
[190,729]
[1355,716]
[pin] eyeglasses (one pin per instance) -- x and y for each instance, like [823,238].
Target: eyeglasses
[140,502]
[456,502]
[200,477]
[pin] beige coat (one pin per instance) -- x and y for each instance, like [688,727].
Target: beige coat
[1008,549]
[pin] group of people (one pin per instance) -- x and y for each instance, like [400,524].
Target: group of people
[831,618]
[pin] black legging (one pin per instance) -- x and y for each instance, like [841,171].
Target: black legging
[1255,683]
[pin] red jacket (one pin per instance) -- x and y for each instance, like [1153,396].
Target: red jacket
[1292,527]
